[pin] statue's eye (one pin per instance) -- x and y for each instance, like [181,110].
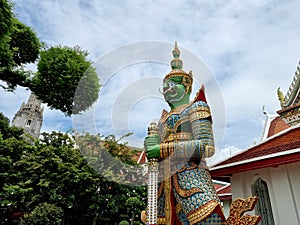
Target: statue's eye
[171,84]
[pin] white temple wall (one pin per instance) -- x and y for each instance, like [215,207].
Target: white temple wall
[283,186]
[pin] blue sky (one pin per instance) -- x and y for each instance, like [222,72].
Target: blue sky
[250,47]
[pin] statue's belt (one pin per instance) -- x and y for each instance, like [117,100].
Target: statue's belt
[182,136]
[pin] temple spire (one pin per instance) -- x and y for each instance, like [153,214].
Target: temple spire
[30,116]
[176,63]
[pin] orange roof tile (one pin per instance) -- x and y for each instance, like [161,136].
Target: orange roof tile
[276,126]
[287,140]
[224,190]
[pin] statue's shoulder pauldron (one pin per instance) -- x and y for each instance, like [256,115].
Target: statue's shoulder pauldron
[199,110]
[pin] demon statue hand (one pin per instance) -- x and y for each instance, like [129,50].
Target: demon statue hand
[187,194]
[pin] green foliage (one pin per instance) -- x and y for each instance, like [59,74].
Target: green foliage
[8,131]
[59,173]
[137,223]
[66,80]
[12,146]
[43,214]
[6,16]
[124,222]
[119,150]
[18,47]
[112,199]
[52,170]
[24,43]
[133,202]
[111,158]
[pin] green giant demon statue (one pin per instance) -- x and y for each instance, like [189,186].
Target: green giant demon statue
[185,138]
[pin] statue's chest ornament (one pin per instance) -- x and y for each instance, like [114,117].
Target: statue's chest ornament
[171,123]
[172,120]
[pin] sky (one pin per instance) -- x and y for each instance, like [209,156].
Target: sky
[242,51]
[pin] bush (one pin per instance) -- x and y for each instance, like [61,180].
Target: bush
[123,222]
[43,214]
[137,223]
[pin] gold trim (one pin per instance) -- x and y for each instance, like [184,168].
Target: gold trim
[160,189]
[199,115]
[187,78]
[182,192]
[202,212]
[191,167]
[180,122]
[200,109]
[209,151]
[177,208]
[177,110]
[175,73]
[179,136]
[167,192]
[237,209]
[161,220]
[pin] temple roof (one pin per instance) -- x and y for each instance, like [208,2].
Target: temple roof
[223,190]
[224,193]
[290,104]
[142,158]
[280,142]
[293,94]
[277,125]
[289,114]
[281,148]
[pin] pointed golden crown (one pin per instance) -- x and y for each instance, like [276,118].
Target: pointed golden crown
[177,71]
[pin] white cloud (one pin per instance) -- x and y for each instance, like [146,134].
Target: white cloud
[251,46]
[223,154]
[10,102]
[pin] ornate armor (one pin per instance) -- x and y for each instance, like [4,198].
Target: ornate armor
[187,194]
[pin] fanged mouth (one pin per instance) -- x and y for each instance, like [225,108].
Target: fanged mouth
[170,94]
[168,90]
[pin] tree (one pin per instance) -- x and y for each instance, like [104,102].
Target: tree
[110,204]
[65,79]
[51,170]
[134,204]
[45,214]
[6,131]
[12,145]
[6,16]
[19,46]
[124,222]
[57,173]
[111,158]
